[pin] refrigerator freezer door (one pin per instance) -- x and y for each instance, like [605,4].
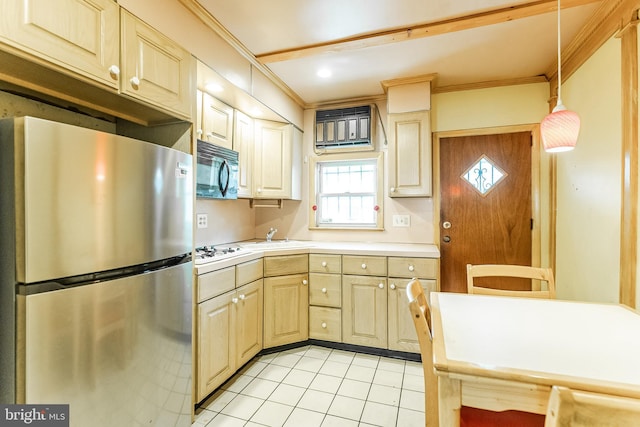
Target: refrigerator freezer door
[89,201]
[118,352]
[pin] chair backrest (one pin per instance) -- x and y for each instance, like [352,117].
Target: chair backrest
[535,274]
[421,314]
[572,408]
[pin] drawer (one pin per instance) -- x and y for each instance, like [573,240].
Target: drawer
[325,289]
[286,264]
[216,283]
[247,272]
[325,263]
[413,267]
[364,265]
[325,324]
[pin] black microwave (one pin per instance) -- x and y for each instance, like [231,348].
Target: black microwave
[216,172]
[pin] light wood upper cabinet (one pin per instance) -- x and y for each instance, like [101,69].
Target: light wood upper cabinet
[153,67]
[410,154]
[217,121]
[243,137]
[78,35]
[277,161]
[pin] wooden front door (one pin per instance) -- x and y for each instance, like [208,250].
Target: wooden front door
[485,208]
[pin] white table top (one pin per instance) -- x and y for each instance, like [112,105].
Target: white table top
[587,346]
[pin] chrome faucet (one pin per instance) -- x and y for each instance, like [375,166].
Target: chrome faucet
[270,234]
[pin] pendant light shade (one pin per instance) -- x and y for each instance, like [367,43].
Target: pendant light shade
[560,129]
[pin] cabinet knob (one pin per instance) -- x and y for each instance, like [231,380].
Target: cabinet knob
[114,72]
[199,132]
[242,296]
[392,286]
[381,285]
[392,189]
[324,263]
[324,325]
[209,135]
[259,190]
[411,268]
[324,290]
[234,300]
[304,282]
[135,82]
[364,266]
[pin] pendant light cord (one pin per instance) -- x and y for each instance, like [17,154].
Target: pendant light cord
[559,101]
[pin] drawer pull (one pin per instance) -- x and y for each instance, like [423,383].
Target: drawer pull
[234,300]
[324,325]
[324,290]
[304,282]
[324,263]
[411,268]
[242,296]
[381,285]
[392,286]
[364,266]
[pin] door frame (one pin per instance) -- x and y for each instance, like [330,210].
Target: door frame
[536,188]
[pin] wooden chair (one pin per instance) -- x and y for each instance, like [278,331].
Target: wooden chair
[469,417]
[572,408]
[535,274]
[421,315]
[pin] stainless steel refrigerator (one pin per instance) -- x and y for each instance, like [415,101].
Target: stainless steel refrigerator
[95,274]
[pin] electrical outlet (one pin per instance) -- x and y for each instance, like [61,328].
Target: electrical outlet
[401,220]
[202,220]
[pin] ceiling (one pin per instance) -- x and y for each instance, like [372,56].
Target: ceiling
[365,42]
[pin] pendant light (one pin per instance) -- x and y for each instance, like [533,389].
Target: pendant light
[560,128]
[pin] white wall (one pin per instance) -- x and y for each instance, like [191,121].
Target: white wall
[589,183]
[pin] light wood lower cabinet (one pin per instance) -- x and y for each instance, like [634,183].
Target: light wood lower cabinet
[286,309]
[364,310]
[248,321]
[229,329]
[216,343]
[402,333]
[286,299]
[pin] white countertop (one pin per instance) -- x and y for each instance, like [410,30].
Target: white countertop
[418,250]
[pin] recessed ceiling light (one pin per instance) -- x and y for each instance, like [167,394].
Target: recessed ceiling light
[213,87]
[324,73]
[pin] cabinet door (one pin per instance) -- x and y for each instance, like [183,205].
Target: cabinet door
[79,35]
[154,68]
[364,310]
[286,308]
[402,332]
[410,155]
[243,137]
[248,322]
[217,122]
[216,343]
[272,160]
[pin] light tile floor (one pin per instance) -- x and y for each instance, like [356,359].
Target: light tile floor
[314,386]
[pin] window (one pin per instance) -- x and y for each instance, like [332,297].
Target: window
[347,192]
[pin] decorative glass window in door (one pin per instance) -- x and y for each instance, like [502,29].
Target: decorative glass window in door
[483,175]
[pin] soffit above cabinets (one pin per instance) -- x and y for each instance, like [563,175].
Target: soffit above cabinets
[365,42]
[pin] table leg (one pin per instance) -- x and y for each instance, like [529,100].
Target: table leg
[449,401]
